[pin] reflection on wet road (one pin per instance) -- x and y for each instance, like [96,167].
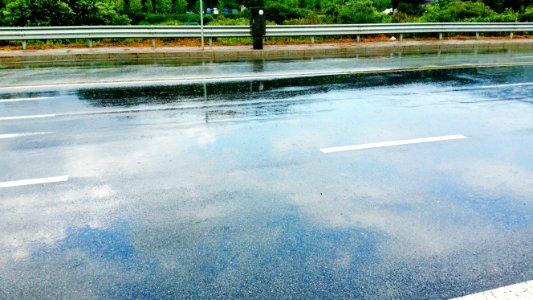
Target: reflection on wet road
[220,190]
[84,75]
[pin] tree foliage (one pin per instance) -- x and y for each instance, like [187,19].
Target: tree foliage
[38,13]
[451,11]
[358,11]
[414,3]
[527,16]
[119,12]
[382,5]
[180,6]
[97,12]
[501,5]
[467,11]
[163,6]
[61,13]
[279,12]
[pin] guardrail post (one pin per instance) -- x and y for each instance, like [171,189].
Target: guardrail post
[153,42]
[440,36]
[312,39]
[24,44]
[358,38]
[210,41]
[510,35]
[401,37]
[90,43]
[477,35]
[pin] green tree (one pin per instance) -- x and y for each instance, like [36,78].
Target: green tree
[382,5]
[358,11]
[38,13]
[409,7]
[135,6]
[163,6]
[501,5]
[98,12]
[180,6]
[119,5]
[278,12]
[451,11]
[396,3]
[148,6]
[527,16]
[108,14]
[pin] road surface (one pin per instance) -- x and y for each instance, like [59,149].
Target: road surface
[409,185]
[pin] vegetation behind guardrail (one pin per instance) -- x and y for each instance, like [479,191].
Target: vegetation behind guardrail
[281,12]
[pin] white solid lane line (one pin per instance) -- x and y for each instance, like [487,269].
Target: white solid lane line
[393,143]
[24,182]
[27,117]
[523,290]
[17,135]
[24,99]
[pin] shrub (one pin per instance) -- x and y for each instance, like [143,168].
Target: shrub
[414,3]
[451,11]
[501,5]
[180,6]
[38,13]
[382,5]
[227,21]
[412,9]
[527,16]
[358,11]
[278,12]
[509,15]
[308,20]
[168,19]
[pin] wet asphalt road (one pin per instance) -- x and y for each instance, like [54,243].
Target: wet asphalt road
[220,190]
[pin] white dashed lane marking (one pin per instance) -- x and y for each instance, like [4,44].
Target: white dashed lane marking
[24,134]
[522,290]
[27,117]
[8,184]
[24,99]
[393,143]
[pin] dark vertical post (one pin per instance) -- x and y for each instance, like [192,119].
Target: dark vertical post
[258,24]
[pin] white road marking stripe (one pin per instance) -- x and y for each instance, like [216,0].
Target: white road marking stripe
[393,143]
[24,99]
[27,117]
[33,181]
[523,290]
[16,135]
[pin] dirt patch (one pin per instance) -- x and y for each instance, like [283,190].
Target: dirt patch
[195,42]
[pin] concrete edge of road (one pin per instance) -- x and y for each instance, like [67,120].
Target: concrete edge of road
[221,53]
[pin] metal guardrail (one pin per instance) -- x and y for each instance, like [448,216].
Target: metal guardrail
[97,32]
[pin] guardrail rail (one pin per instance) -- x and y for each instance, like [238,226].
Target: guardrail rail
[98,32]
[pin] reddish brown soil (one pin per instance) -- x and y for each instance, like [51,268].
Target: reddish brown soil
[278,41]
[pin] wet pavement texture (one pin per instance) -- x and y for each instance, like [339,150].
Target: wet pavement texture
[158,71]
[219,190]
